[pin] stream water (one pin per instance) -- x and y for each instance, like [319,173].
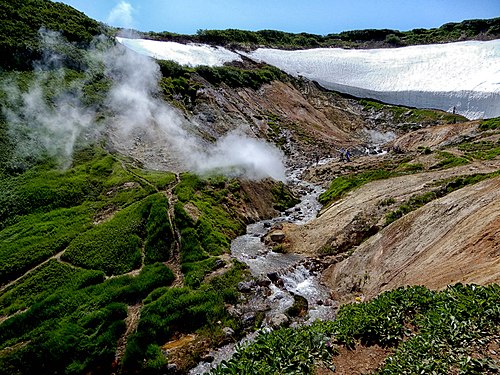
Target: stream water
[293,274]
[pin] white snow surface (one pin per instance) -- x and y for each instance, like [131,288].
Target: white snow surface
[464,75]
[185,54]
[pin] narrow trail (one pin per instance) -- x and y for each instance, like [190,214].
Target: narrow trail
[131,323]
[55,256]
[174,263]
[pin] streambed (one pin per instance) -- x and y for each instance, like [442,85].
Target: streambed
[280,278]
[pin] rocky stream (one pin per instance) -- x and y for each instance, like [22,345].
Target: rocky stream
[281,282]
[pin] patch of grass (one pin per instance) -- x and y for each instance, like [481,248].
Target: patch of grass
[411,204]
[36,237]
[410,167]
[283,198]
[448,160]
[115,246]
[159,233]
[386,202]
[341,185]
[490,124]
[159,179]
[482,150]
[447,327]
[44,281]
[184,310]
[76,327]
[413,115]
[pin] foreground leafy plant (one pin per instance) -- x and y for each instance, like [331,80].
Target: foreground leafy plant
[433,332]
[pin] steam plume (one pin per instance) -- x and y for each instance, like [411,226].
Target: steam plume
[139,117]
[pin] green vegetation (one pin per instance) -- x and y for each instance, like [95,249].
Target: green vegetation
[170,310]
[450,32]
[22,20]
[209,234]
[180,83]
[490,124]
[448,160]
[74,328]
[341,185]
[482,150]
[36,237]
[283,198]
[432,332]
[445,187]
[407,115]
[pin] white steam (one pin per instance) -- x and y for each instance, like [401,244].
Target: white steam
[236,154]
[142,115]
[121,15]
[140,123]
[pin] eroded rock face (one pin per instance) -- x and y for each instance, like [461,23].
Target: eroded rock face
[449,240]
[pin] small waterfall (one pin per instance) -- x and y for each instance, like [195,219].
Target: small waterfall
[291,274]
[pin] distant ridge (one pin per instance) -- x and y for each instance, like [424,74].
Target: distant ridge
[476,29]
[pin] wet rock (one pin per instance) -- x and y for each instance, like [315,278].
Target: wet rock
[246,286]
[278,226]
[264,282]
[171,368]
[208,358]
[248,319]
[277,236]
[228,331]
[273,276]
[267,224]
[278,320]
[233,311]
[280,283]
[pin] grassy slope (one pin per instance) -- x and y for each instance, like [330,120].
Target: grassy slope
[21,21]
[66,316]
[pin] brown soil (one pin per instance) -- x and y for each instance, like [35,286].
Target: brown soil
[360,360]
[436,136]
[131,322]
[449,240]
[338,226]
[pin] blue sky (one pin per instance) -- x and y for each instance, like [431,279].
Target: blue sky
[313,16]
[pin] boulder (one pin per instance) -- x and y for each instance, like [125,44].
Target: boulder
[277,236]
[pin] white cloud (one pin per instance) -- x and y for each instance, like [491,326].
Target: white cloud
[121,15]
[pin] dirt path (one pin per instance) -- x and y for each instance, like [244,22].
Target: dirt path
[55,256]
[174,263]
[131,322]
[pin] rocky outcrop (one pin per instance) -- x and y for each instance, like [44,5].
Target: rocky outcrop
[453,239]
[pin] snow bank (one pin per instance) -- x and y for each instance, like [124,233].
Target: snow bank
[464,75]
[185,54]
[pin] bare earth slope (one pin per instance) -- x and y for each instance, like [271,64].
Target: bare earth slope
[453,239]
[338,225]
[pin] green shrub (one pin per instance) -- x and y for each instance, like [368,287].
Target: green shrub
[36,237]
[113,246]
[448,160]
[159,234]
[490,124]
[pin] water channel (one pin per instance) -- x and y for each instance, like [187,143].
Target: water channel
[296,274]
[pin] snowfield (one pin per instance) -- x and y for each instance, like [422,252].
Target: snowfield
[462,75]
[185,54]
